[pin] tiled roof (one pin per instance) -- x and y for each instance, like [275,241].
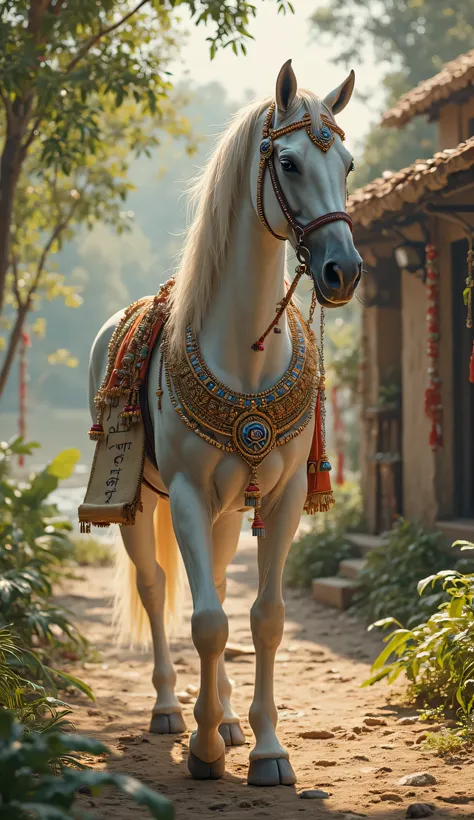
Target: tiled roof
[453,77]
[390,193]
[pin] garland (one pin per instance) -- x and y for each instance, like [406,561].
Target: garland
[468,302]
[433,406]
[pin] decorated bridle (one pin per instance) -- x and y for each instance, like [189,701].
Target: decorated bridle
[323,139]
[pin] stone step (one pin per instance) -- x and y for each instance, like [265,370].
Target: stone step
[352,567]
[457,529]
[334,591]
[363,542]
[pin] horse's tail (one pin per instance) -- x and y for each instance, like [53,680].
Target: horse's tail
[130,618]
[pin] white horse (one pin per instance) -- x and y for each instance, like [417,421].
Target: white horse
[231,276]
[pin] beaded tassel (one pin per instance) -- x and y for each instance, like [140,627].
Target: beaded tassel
[258,527]
[96,432]
[252,493]
[324,465]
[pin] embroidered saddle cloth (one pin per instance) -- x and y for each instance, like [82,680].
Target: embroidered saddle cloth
[249,424]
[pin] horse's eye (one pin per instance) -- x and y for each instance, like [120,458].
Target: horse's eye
[288,166]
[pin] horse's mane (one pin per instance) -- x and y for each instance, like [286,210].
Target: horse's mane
[212,196]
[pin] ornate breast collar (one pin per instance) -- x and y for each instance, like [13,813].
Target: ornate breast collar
[251,424]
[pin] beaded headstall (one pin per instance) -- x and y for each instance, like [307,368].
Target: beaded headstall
[323,138]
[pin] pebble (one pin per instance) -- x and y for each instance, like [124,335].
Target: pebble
[418,779]
[391,797]
[325,763]
[407,721]
[313,794]
[185,697]
[420,810]
[191,689]
[351,736]
[317,734]
[375,721]
[244,804]
[421,738]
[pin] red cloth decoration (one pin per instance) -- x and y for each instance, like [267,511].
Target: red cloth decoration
[320,497]
[433,406]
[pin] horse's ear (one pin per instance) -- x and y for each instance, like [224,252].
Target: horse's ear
[337,100]
[286,87]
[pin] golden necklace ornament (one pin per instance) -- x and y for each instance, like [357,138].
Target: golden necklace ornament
[250,424]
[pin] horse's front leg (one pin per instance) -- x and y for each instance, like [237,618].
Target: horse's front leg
[269,761]
[192,522]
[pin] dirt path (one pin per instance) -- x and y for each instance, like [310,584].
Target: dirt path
[322,661]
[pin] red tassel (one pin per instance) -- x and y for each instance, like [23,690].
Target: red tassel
[258,527]
[320,497]
[471,365]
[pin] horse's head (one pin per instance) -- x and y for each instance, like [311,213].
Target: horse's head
[300,194]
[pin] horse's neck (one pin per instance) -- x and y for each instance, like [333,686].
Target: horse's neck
[243,307]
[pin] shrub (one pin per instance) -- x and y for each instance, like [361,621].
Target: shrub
[389,580]
[90,552]
[35,552]
[317,553]
[35,782]
[437,655]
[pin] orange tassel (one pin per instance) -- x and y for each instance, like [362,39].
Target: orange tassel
[320,497]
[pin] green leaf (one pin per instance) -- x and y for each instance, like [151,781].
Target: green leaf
[63,465]
[398,640]
[70,680]
[383,622]
[384,673]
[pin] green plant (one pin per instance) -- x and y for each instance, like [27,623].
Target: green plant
[317,553]
[35,552]
[29,788]
[388,581]
[90,552]
[437,655]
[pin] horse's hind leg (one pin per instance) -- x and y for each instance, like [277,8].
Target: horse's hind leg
[225,537]
[139,541]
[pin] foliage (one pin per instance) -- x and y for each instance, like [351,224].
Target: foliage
[317,553]
[82,88]
[91,552]
[35,551]
[436,655]
[29,788]
[30,703]
[388,581]
[412,39]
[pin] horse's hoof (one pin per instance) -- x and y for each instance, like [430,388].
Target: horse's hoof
[271,772]
[232,734]
[206,771]
[172,724]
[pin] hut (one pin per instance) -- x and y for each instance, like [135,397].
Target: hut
[417,374]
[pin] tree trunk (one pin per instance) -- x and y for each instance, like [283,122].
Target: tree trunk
[14,340]
[10,166]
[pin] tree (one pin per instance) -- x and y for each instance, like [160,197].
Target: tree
[67,67]
[413,39]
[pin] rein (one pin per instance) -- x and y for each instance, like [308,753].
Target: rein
[323,139]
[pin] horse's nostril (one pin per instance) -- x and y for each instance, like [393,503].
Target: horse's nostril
[332,275]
